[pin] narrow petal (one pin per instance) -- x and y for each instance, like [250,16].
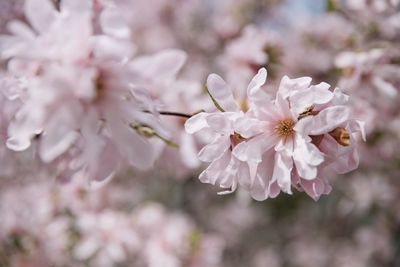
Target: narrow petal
[221,92]
[261,186]
[254,92]
[282,171]
[196,123]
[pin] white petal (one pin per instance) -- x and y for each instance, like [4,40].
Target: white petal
[106,48]
[40,13]
[253,149]
[162,66]
[221,122]
[60,133]
[249,127]
[306,157]
[196,123]
[314,188]
[261,186]
[107,163]
[358,126]
[256,83]
[211,174]
[325,121]
[215,149]
[112,23]
[282,171]
[318,94]
[221,92]
[289,86]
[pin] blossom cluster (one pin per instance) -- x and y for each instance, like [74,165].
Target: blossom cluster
[292,140]
[80,92]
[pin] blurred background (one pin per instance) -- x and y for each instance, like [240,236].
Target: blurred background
[166,217]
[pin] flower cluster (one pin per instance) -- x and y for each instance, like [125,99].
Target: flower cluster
[84,97]
[292,140]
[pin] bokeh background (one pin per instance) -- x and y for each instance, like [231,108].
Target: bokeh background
[166,217]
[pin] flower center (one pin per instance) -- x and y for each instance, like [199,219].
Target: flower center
[284,128]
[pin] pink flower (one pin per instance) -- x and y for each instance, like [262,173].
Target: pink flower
[225,169]
[289,141]
[292,137]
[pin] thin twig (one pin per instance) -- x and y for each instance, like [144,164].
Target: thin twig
[177,114]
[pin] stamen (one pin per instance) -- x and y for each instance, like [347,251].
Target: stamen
[284,128]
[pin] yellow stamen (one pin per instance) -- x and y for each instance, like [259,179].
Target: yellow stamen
[284,128]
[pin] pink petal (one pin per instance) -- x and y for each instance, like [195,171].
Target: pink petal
[289,86]
[106,48]
[221,92]
[261,186]
[40,13]
[306,157]
[324,122]
[107,163]
[113,23]
[196,123]
[164,65]
[318,94]
[254,92]
[315,188]
[221,122]
[253,149]
[249,127]
[60,133]
[215,149]
[282,171]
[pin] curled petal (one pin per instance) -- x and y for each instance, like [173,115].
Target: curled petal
[289,86]
[318,94]
[324,122]
[196,123]
[306,157]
